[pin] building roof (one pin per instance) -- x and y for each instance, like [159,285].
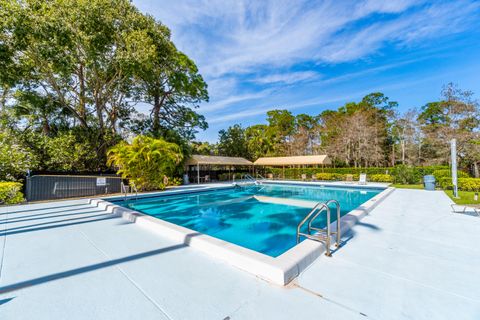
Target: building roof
[296,160]
[215,160]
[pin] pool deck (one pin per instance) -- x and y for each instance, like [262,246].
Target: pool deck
[410,258]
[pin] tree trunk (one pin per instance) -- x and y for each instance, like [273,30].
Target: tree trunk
[476,171]
[393,154]
[156,113]
[82,112]
[46,126]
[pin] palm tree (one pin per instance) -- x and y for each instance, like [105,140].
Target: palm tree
[146,161]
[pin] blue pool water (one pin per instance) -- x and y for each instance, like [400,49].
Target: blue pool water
[250,216]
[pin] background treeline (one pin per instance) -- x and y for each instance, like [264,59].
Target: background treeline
[370,133]
[72,74]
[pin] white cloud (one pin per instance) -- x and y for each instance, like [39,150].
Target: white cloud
[287,78]
[241,46]
[226,37]
[220,104]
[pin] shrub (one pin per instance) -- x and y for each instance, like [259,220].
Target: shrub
[15,158]
[400,173]
[464,184]
[329,176]
[406,175]
[447,173]
[146,161]
[469,184]
[176,181]
[10,192]
[380,178]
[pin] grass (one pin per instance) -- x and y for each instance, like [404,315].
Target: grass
[408,186]
[466,197]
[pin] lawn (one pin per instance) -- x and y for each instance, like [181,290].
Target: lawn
[408,186]
[466,197]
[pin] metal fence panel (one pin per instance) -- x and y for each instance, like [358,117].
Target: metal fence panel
[49,187]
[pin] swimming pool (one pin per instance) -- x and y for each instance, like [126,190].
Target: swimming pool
[262,218]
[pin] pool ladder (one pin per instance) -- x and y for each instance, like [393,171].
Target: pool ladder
[322,235]
[126,188]
[249,178]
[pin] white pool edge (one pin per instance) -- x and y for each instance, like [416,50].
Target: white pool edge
[280,270]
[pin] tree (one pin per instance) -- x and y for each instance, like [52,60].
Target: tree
[306,135]
[358,133]
[146,161]
[82,66]
[259,142]
[456,116]
[15,160]
[171,83]
[281,125]
[232,142]
[204,148]
[407,135]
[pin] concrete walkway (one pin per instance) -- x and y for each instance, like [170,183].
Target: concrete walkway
[409,259]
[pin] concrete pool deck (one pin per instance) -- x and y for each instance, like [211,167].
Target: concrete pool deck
[410,258]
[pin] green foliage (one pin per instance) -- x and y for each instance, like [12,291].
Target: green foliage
[438,174]
[80,67]
[380,178]
[10,192]
[406,175]
[408,186]
[176,181]
[402,174]
[232,142]
[329,176]
[66,153]
[146,161]
[259,141]
[465,197]
[464,184]
[15,159]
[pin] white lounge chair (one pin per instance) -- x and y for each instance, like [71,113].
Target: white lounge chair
[460,208]
[304,177]
[362,179]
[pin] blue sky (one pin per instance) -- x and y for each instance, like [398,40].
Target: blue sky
[308,56]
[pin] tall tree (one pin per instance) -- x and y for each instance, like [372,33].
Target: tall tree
[456,116]
[281,125]
[232,142]
[259,141]
[93,61]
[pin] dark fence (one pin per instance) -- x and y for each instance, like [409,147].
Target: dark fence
[49,187]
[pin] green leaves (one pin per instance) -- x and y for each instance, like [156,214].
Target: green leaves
[146,161]
[81,66]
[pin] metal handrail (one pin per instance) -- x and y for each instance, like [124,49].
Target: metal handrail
[312,215]
[246,176]
[126,188]
[260,176]
[319,206]
[337,232]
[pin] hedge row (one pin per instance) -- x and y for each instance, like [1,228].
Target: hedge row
[399,174]
[464,184]
[447,173]
[337,177]
[10,193]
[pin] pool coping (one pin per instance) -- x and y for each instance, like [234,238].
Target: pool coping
[279,270]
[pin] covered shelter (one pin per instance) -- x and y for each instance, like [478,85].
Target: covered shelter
[201,168]
[294,161]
